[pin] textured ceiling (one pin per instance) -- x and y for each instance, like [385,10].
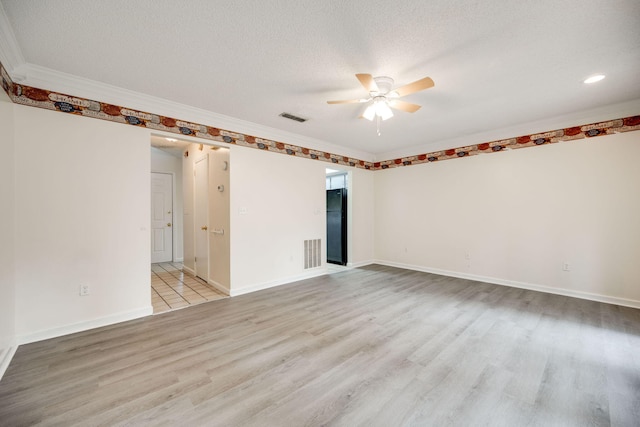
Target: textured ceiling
[497,64]
[169,145]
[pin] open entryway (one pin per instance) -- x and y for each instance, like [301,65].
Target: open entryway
[189,223]
[337,216]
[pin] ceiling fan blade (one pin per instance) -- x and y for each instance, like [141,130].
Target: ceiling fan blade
[367,81]
[414,87]
[404,106]
[349,101]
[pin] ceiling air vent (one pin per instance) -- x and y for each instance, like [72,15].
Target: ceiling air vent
[292,117]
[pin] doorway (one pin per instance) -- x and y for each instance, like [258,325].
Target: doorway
[337,216]
[194,266]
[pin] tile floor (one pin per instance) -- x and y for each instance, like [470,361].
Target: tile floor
[171,288]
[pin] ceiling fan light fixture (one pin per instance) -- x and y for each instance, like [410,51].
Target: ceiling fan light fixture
[370,112]
[383,110]
[382,98]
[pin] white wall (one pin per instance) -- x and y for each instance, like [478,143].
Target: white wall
[167,163]
[520,215]
[82,211]
[7,224]
[285,204]
[361,207]
[82,216]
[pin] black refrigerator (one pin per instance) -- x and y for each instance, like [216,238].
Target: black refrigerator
[337,226]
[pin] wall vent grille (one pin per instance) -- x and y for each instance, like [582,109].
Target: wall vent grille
[292,117]
[312,253]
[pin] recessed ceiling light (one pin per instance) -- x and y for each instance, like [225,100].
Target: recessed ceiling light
[594,79]
[171,139]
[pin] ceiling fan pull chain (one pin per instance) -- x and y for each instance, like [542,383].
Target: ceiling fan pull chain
[378,122]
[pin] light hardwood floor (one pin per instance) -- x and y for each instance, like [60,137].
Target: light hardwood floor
[374,346]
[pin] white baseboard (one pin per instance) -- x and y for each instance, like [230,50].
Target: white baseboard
[178,260]
[86,325]
[515,284]
[188,270]
[5,358]
[218,286]
[320,271]
[360,264]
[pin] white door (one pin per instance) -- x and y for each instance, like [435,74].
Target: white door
[201,222]
[219,218]
[161,217]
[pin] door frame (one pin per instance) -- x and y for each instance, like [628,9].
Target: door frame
[349,187]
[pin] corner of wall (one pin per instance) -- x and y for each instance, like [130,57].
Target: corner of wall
[502,219]
[626,302]
[7,231]
[6,354]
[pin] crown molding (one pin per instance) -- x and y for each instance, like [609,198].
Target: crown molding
[69,103]
[41,77]
[36,76]
[10,53]
[46,78]
[600,114]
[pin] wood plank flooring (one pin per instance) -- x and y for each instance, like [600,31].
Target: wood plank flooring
[375,346]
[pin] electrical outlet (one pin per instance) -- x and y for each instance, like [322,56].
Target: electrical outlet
[467,255]
[84,290]
[566,267]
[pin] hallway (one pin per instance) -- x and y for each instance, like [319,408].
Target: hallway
[171,288]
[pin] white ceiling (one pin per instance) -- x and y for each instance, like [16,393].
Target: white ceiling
[169,145]
[499,66]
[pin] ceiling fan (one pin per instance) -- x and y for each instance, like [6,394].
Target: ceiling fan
[382,98]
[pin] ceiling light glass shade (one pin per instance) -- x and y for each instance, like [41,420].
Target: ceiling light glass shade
[370,112]
[380,108]
[383,110]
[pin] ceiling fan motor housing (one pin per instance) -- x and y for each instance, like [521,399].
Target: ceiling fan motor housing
[384,84]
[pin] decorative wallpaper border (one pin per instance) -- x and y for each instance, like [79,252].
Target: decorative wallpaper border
[41,98]
[626,124]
